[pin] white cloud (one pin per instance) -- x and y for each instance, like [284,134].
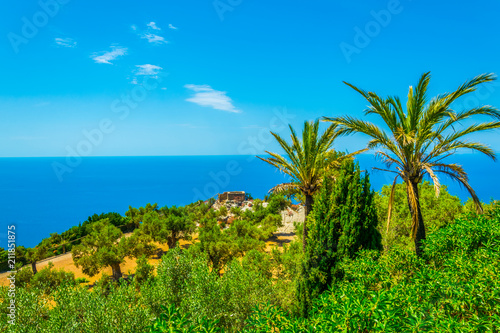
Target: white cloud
[133,27]
[153,26]
[66,42]
[107,57]
[172,27]
[155,39]
[151,33]
[207,96]
[148,69]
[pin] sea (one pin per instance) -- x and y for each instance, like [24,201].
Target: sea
[44,195]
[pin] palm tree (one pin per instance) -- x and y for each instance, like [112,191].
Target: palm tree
[306,161]
[421,138]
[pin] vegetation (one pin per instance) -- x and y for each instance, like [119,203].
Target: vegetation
[437,211]
[421,138]
[453,286]
[306,161]
[104,246]
[343,222]
[167,225]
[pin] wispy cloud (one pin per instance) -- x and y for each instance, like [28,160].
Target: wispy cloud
[106,57]
[209,97]
[170,26]
[155,39]
[65,42]
[153,26]
[148,69]
[151,33]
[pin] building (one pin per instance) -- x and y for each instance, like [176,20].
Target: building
[236,196]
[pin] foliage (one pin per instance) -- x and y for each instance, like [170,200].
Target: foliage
[168,225]
[136,215]
[453,287]
[421,137]
[437,211]
[171,320]
[104,246]
[185,282]
[306,161]
[48,279]
[343,222]
[23,277]
[143,270]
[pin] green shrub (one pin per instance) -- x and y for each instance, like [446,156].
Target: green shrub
[48,279]
[343,221]
[453,288]
[143,269]
[437,212]
[24,276]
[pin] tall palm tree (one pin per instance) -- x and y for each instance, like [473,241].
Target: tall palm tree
[421,137]
[306,161]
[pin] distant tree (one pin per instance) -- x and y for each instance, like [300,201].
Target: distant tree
[104,246]
[136,215]
[343,221]
[36,254]
[216,244]
[169,225]
[306,161]
[4,259]
[222,245]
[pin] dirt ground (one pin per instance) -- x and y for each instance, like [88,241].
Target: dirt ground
[65,261]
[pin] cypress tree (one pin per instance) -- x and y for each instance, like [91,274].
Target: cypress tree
[342,222]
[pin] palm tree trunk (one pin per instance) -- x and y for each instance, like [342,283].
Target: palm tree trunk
[33,267]
[420,230]
[117,272]
[308,208]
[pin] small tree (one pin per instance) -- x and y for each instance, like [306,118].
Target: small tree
[136,215]
[216,243]
[104,246]
[168,226]
[34,255]
[342,222]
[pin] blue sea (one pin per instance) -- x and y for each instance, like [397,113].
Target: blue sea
[45,195]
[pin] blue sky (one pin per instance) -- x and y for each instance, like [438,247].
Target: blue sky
[220,74]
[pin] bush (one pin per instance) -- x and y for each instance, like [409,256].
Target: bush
[343,221]
[185,281]
[453,288]
[48,279]
[437,212]
[143,270]
[23,277]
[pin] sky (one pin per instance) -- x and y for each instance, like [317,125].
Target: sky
[205,77]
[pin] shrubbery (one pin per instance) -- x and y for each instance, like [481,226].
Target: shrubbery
[453,288]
